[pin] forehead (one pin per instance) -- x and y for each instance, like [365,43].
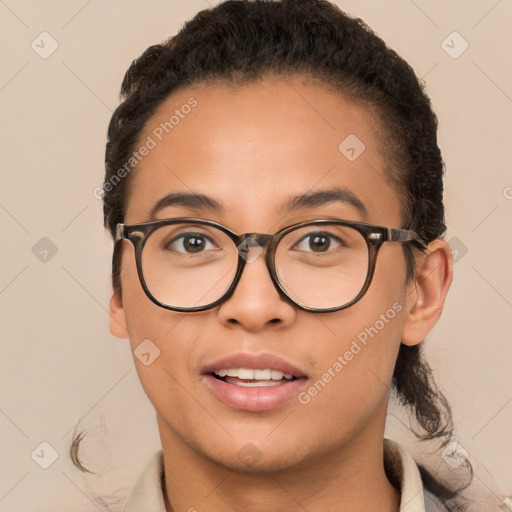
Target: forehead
[252,147]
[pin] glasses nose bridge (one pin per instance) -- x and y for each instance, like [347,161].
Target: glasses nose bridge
[259,242]
[262,239]
[249,247]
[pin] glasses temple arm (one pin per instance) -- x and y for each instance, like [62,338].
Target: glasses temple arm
[119,232]
[405,235]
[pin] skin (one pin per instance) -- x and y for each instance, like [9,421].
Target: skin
[250,148]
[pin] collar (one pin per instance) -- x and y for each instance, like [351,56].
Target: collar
[147,494]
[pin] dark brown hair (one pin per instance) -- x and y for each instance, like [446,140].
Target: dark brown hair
[242,41]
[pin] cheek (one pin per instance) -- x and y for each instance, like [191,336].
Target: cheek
[355,366]
[161,340]
[162,344]
[144,319]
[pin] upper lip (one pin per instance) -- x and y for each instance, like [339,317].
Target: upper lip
[254,361]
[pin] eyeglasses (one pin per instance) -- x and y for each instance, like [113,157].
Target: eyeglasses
[189,264]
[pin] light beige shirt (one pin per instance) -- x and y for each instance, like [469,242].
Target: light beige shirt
[147,494]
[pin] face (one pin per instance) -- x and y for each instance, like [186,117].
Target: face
[251,149]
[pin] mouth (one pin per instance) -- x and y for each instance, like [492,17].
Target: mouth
[254,382]
[253,378]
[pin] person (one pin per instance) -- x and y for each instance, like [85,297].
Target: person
[274,188]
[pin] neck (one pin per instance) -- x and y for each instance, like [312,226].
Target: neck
[352,476]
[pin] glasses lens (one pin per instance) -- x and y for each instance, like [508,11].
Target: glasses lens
[323,266]
[188,265]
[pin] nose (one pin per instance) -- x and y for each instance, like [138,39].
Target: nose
[256,304]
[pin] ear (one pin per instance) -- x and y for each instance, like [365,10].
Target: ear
[117,321]
[427,292]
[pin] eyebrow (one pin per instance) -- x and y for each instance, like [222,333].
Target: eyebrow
[324,197]
[309,200]
[193,201]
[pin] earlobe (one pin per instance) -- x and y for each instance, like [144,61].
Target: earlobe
[117,321]
[427,292]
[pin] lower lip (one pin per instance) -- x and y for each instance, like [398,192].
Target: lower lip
[254,398]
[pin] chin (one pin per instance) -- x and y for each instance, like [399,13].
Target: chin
[260,464]
[256,457]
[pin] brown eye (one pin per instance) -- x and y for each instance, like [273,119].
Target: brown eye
[320,241]
[190,243]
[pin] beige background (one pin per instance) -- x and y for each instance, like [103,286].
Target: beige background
[59,362]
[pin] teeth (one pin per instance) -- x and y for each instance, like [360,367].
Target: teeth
[277,375]
[249,374]
[262,374]
[246,374]
[260,384]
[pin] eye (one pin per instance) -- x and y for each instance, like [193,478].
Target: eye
[190,243]
[319,241]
